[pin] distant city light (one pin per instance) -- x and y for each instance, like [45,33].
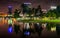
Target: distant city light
[53,7]
[10,29]
[44,10]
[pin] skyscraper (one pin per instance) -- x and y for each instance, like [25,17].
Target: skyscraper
[9,9]
[26,7]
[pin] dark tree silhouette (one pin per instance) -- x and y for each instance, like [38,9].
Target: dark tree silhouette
[33,11]
[58,11]
[16,28]
[16,13]
[58,29]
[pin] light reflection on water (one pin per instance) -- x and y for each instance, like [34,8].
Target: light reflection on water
[53,27]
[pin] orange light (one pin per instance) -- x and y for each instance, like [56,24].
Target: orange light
[14,20]
[2,21]
[3,14]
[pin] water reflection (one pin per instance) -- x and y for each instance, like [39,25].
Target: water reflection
[36,28]
[58,29]
[51,26]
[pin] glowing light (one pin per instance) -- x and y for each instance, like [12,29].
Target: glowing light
[53,7]
[27,3]
[44,10]
[45,18]
[2,14]
[10,21]
[21,15]
[14,19]
[35,18]
[9,6]
[9,15]
[53,29]
[10,29]
[18,18]
[27,33]
[27,25]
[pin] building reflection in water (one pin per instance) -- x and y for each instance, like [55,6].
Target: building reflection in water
[53,27]
[58,29]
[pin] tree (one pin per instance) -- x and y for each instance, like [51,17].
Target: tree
[58,11]
[33,11]
[51,13]
[16,13]
[49,25]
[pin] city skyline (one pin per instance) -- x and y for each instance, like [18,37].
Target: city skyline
[45,4]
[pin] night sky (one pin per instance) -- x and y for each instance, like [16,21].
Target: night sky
[45,4]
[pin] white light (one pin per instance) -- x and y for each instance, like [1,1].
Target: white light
[21,14]
[27,3]
[27,25]
[53,7]
[44,10]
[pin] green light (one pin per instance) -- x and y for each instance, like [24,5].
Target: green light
[10,21]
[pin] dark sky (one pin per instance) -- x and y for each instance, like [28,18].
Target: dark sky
[45,4]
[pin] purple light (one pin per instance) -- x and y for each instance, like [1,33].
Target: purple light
[10,29]
[9,6]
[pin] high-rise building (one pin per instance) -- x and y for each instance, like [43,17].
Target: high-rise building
[38,11]
[26,7]
[9,9]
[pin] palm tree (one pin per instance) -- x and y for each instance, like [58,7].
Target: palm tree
[51,13]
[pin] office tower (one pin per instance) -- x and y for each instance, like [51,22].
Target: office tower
[9,9]
[26,7]
[38,11]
